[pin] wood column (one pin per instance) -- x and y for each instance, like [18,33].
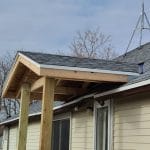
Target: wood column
[47,114]
[23,120]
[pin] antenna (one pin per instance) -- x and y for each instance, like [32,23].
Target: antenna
[141,26]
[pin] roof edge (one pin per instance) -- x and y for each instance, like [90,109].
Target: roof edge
[123,88]
[88,70]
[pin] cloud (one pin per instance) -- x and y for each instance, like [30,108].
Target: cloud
[49,25]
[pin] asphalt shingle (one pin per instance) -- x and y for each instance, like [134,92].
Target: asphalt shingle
[138,55]
[58,60]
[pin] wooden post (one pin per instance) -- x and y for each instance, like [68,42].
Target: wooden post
[23,120]
[47,114]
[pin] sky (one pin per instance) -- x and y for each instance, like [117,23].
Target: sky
[50,25]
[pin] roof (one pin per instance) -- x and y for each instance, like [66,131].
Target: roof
[142,80]
[137,55]
[69,61]
[31,66]
[35,108]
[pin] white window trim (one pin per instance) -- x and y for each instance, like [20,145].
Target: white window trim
[62,116]
[108,103]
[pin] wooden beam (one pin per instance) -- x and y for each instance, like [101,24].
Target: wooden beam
[85,85]
[66,91]
[19,60]
[37,84]
[47,114]
[69,91]
[23,120]
[23,80]
[58,82]
[29,64]
[83,76]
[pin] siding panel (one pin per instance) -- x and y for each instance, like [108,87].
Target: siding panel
[82,131]
[32,138]
[132,122]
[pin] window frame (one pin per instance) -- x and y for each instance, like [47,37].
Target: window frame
[65,116]
[109,104]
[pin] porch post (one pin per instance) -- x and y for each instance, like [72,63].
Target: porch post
[47,114]
[23,119]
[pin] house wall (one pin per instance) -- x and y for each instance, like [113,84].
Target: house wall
[32,138]
[132,122]
[131,127]
[81,132]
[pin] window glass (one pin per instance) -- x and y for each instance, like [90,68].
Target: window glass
[55,136]
[60,137]
[102,129]
[65,128]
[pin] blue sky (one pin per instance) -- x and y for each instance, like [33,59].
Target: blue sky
[50,25]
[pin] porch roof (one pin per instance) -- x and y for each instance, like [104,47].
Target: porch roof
[73,75]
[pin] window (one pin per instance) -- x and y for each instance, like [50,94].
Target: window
[103,127]
[61,132]
[141,67]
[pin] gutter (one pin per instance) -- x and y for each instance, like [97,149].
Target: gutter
[123,88]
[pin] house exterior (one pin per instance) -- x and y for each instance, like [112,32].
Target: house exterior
[108,115]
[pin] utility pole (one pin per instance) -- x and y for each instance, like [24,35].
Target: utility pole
[142,24]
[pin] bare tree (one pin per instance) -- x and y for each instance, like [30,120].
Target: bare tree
[8,107]
[92,44]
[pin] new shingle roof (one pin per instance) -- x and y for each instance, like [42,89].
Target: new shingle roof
[58,60]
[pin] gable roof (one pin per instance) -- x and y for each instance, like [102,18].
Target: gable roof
[30,66]
[71,62]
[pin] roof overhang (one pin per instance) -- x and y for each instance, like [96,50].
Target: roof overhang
[93,96]
[25,69]
[142,86]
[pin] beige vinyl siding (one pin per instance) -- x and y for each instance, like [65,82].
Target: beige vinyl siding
[33,134]
[12,138]
[32,138]
[5,138]
[82,130]
[132,122]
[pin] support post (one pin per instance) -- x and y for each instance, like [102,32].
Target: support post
[23,119]
[47,114]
